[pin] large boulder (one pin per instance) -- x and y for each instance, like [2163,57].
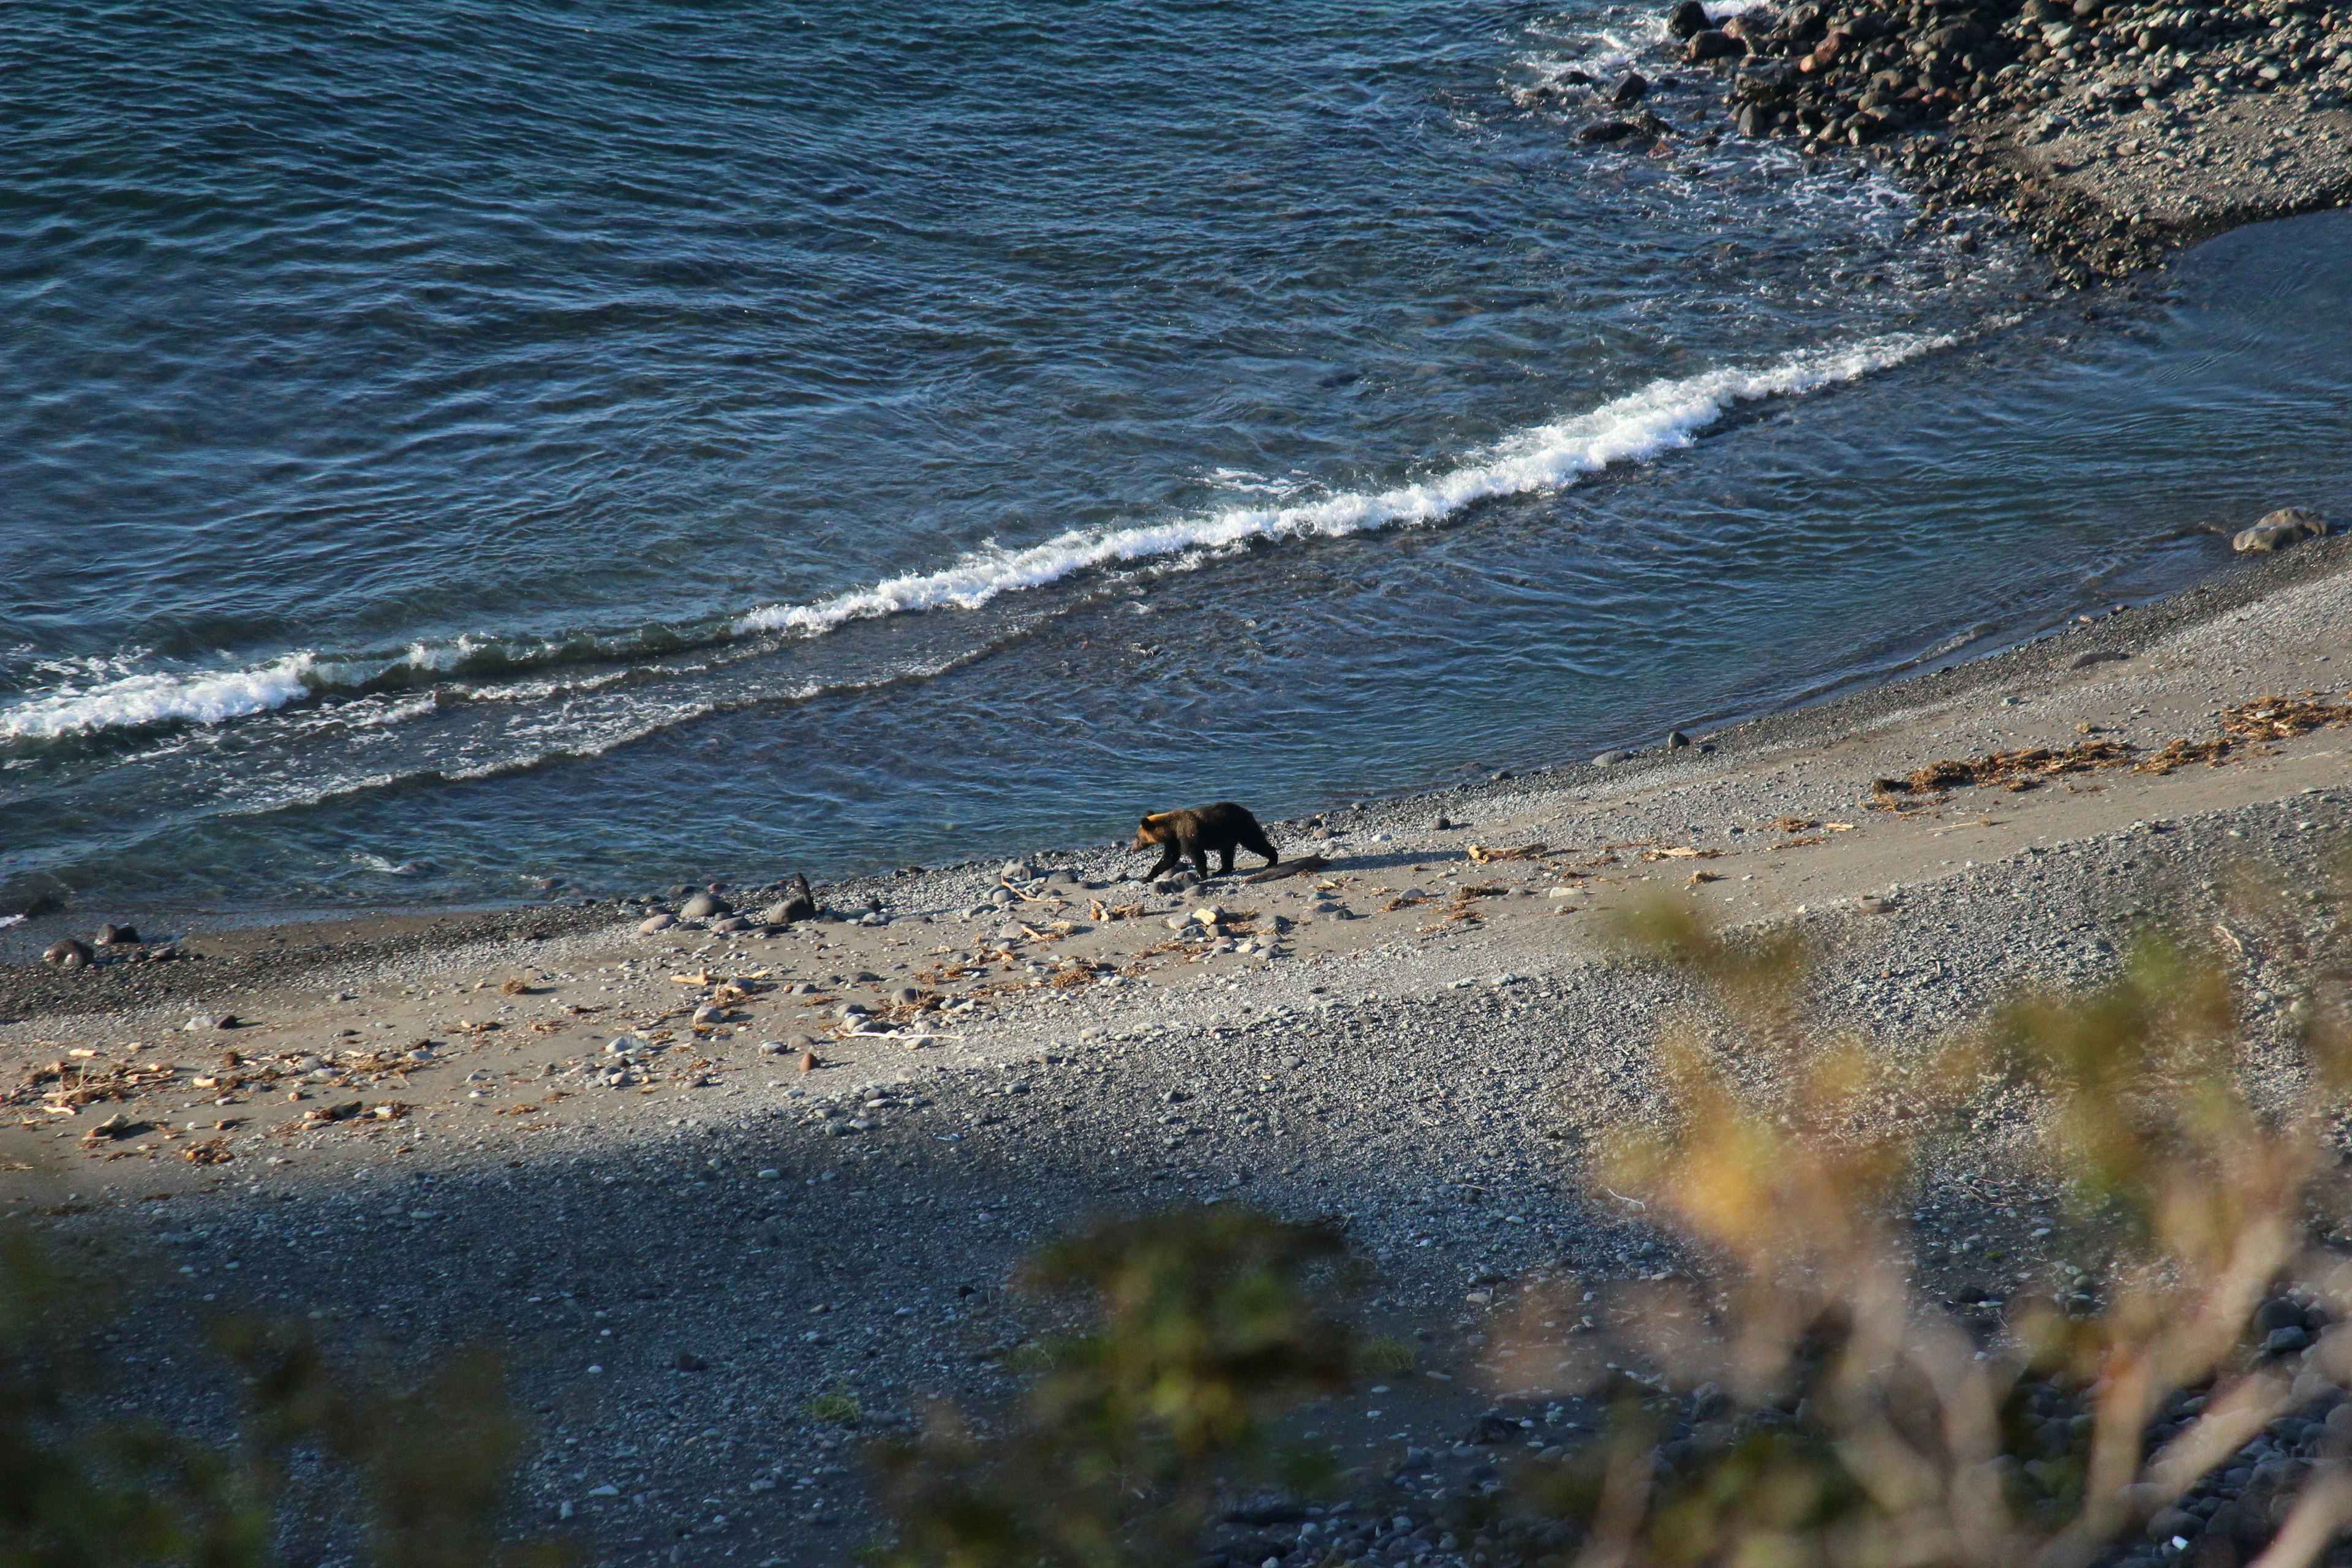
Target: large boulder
[1712,45]
[2288,525]
[1689,19]
[70,953]
[702,906]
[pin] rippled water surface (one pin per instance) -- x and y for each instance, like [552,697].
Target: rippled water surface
[447,446]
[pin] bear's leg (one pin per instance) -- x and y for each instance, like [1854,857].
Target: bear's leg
[1259,844]
[1201,861]
[1169,856]
[1225,861]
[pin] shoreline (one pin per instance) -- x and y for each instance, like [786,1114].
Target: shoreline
[2108,134]
[262,944]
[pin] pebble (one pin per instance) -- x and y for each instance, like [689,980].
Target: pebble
[656,923]
[1016,872]
[116,936]
[69,953]
[1441,823]
[702,906]
[1610,759]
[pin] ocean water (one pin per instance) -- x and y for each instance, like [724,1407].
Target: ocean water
[446,447]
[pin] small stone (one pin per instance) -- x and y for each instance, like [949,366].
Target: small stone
[689,1362]
[68,952]
[657,924]
[1631,88]
[1016,872]
[772,1048]
[808,1061]
[1873,904]
[1609,759]
[707,1014]
[1441,823]
[1713,44]
[730,925]
[1603,131]
[702,906]
[1000,896]
[2289,525]
[1677,739]
[116,936]
[904,995]
[2282,1341]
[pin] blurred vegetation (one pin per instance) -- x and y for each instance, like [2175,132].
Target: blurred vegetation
[420,1473]
[1206,1324]
[1795,1399]
[1846,1419]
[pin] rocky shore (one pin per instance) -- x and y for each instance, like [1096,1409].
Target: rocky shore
[740,1195]
[2104,131]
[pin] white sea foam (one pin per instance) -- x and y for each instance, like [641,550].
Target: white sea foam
[1661,417]
[205,698]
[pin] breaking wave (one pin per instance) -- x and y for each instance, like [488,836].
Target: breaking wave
[1661,416]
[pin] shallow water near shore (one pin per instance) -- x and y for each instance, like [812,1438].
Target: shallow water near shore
[454,454]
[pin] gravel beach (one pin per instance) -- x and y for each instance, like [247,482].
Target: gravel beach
[604,1147]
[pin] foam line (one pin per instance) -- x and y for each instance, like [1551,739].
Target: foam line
[1661,417]
[160,698]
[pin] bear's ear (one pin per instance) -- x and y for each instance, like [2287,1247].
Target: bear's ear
[1147,820]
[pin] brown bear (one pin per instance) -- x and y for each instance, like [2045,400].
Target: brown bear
[1192,833]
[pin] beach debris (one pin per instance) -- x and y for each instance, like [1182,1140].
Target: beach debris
[211,1152]
[204,1021]
[2283,718]
[2180,753]
[1699,878]
[2278,530]
[1681,852]
[118,1125]
[515,986]
[69,953]
[1487,857]
[1875,904]
[2001,767]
